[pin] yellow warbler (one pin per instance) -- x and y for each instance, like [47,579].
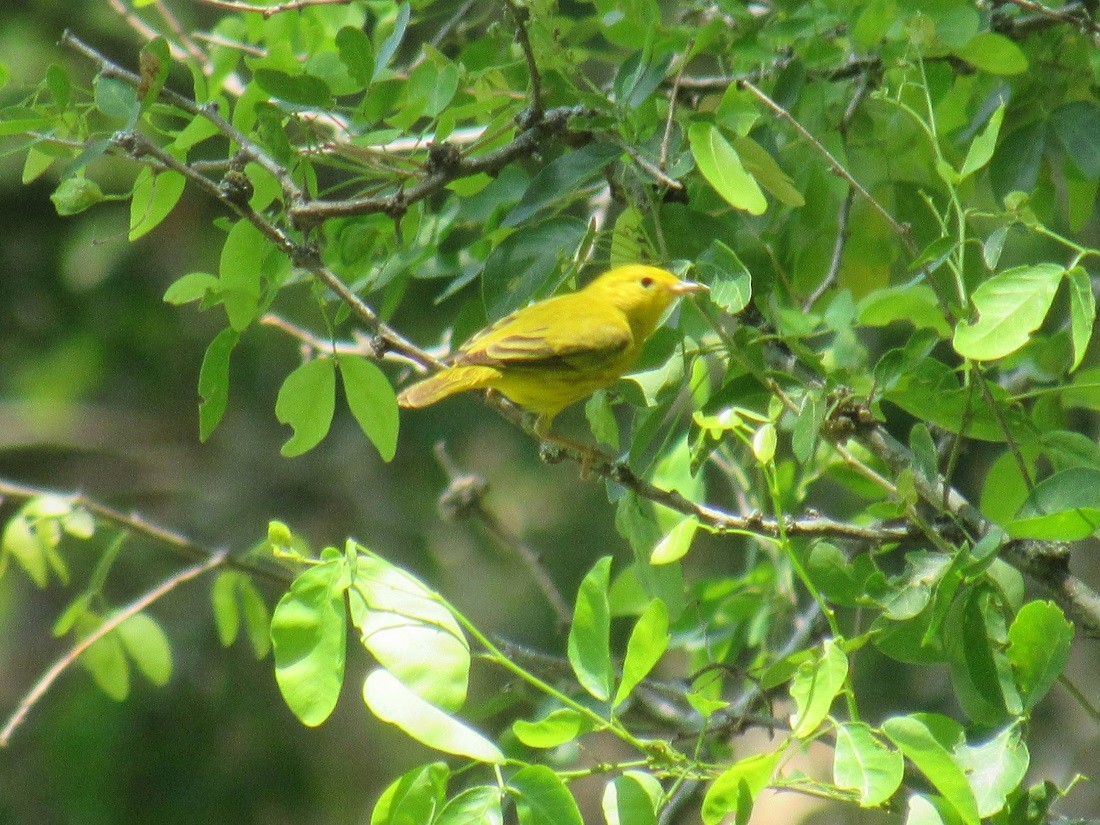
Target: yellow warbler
[557,351]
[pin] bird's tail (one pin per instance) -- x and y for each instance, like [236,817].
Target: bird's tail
[445,383]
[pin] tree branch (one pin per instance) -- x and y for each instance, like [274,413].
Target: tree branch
[47,679]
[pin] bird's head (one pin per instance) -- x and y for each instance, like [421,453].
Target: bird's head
[641,292]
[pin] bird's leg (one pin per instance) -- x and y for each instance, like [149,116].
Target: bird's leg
[589,455]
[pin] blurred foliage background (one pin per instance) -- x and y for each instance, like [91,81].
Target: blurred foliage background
[97,394]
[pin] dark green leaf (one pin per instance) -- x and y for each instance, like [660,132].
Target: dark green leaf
[300,89]
[562,180]
[1064,507]
[117,100]
[521,266]
[1076,126]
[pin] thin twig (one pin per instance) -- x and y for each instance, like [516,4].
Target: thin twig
[1072,14]
[183,545]
[449,168]
[47,679]
[902,230]
[666,138]
[185,40]
[842,234]
[521,16]
[1010,440]
[465,496]
[271,11]
[654,170]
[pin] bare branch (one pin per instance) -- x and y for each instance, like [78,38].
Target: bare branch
[271,11]
[465,496]
[47,679]
[521,16]
[834,164]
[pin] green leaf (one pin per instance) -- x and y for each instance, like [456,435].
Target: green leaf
[675,544]
[980,672]
[117,100]
[994,53]
[993,247]
[1063,507]
[556,728]
[735,790]
[106,661]
[729,279]
[391,701]
[214,381]
[227,618]
[372,401]
[647,644]
[23,543]
[1010,307]
[298,89]
[927,740]
[413,798]
[589,635]
[155,61]
[601,419]
[1076,126]
[307,401]
[995,769]
[191,287]
[145,641]
[1039,641]
[864,764]
[389,46]
[815,685]
[562,181]
[1082,312]
[409,630]
[257,618]
[59,84]
[480,805]
[309,636]
[153,198]
[541,798]
[356,53]
[519,269]
[1016,164]
[638,77]
[720,165]
[632,799]
[763,167]
[74,195]
[981,148]
[239,270]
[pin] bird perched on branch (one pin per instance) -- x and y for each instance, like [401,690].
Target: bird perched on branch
[555,352]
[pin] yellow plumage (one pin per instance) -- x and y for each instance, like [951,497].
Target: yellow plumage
[557,351]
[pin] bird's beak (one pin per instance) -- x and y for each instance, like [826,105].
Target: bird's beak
[688,288]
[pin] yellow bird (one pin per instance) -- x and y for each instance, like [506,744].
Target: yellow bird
[562,349]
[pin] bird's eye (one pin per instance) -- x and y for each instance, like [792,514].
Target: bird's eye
[647,282]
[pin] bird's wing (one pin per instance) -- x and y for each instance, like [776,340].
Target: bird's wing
[552,334]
